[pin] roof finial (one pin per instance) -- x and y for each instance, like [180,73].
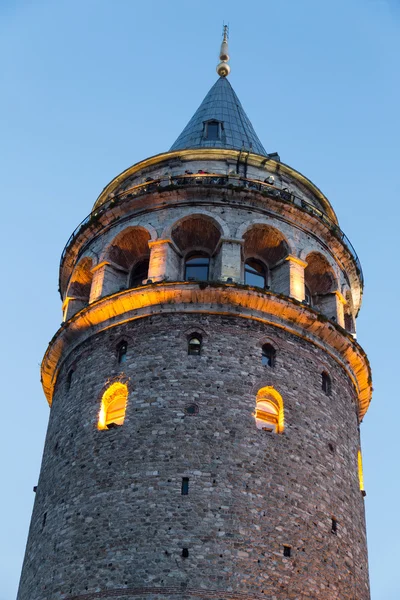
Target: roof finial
[223,69]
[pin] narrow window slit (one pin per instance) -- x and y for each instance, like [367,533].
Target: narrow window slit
[334,525]
[185,552]
[287,551]
[69,379]
[326,383]
[122,349]
[185,486]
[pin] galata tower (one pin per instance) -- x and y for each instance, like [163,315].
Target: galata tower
[206,386]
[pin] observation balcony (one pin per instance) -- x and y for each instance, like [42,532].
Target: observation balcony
[217,180]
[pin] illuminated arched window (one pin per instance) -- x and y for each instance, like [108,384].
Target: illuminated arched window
[255,273]
[269,410]
[360,473]
[268,355]
[194,345]
[197,267]
[326,383]
[113,406]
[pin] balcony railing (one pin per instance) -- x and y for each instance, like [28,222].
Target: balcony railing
[215,180]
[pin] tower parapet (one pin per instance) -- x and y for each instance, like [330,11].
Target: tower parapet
[206,386]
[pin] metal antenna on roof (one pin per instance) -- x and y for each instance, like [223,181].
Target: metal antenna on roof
[223,69]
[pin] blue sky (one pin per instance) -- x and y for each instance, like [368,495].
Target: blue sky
[89,87]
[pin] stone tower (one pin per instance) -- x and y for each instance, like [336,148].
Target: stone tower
[206,386]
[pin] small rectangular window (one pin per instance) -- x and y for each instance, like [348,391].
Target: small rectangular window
[213,130]
[69,379]
[185,486]
[185,552]
[287,551]
[334,525]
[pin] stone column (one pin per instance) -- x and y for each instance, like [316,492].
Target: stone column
[287,277]
[228,260]
[72,305]
[165,261]
[108,278]
[332,306]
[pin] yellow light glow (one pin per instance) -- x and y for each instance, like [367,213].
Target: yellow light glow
[113,405]
[269,410]
[270,308]
[360,471]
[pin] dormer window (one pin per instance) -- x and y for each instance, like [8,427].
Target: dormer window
[212,130]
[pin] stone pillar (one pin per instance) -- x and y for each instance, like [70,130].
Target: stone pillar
[165,261]
[72,305]
[287,277]
[331,305]
[108,278]
[228,260]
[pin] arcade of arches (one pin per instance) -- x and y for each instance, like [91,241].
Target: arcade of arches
[197,250]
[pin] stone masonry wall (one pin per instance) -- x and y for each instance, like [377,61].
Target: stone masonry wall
[109,519]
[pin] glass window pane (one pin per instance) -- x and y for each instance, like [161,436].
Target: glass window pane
[197,273]
[213,131]
[196,268]
[255,273]
[255,280]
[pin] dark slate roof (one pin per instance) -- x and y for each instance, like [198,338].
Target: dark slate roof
[221,104]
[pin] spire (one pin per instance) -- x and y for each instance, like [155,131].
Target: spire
[223,69]
[220,120]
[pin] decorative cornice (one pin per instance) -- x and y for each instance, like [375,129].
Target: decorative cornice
[255,160]
[210,298]
[111,264]
[296,260]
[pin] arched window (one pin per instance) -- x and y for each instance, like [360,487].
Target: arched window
[122,349]
[268,355]
[194,345]
[326,383]
[269,410]
[320,284]
[197,267]
[139,273]
[113,406]
[255,273]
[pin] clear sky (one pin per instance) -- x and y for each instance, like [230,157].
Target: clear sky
[89,87]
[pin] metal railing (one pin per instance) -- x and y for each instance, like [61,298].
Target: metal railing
[215,179]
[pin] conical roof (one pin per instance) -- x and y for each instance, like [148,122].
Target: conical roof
[235,130]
